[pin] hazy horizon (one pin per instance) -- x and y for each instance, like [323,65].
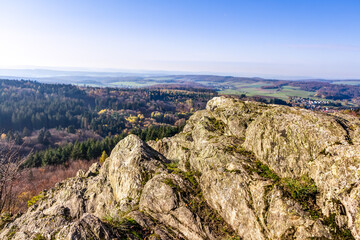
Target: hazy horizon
[37,72]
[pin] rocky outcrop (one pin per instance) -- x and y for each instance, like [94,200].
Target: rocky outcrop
[239,170]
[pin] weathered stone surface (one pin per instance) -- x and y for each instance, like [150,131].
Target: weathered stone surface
[288,138]
[238,169]
[161,200]
[87,227]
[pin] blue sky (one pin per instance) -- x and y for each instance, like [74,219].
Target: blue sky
[245,37]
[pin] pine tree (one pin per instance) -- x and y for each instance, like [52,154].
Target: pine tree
[18,139]
[71,129]
[76,152]
[47,137]
[41,136]
[26,132]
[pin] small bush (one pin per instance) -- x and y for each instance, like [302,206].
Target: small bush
[35,199]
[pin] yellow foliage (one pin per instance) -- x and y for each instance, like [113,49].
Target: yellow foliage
[132,119]
[156,114]
[35,199]
[103,157]
[102,111]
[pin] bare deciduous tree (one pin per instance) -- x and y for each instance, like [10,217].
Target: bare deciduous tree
[10,165]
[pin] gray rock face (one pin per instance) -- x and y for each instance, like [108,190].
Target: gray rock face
[239,170]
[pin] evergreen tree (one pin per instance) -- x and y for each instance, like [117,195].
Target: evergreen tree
[10,136]
[71,129]
[18,139]
[25,132]
[47,137]
[41,136]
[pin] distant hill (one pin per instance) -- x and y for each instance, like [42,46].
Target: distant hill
[251,86]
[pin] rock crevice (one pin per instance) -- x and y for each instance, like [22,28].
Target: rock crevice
[239,170]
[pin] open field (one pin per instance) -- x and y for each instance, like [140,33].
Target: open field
[237,85]
[329,89]
[256,90]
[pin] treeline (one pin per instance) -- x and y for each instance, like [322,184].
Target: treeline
[33,105]
[339,92]
[92,149]
[147,100]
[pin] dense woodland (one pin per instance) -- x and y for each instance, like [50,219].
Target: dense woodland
[93,149]
[31,105]
[56,123]
[30,110]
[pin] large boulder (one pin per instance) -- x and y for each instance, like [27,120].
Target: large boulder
[239,170]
